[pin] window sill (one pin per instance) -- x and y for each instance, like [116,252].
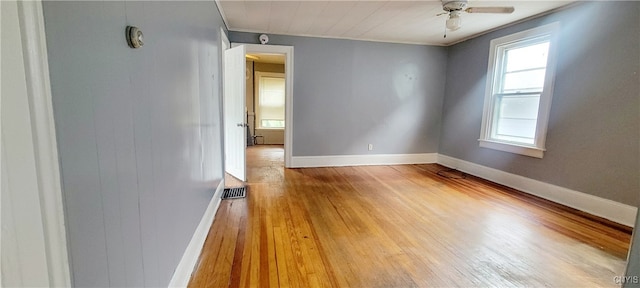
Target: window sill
[512,148]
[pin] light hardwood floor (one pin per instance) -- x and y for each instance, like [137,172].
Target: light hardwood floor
[399,226]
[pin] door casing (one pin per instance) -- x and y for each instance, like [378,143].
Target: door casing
[287,51]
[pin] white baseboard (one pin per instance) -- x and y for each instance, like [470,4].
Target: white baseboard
[182,274]
[608,209]
[361,160]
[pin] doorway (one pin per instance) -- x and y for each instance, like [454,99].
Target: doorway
[265,100]
[254,128]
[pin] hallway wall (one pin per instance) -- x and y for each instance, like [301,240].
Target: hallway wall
[139,133]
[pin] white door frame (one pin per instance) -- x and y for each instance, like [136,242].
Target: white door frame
[45,151]
[224,45]
[288,102]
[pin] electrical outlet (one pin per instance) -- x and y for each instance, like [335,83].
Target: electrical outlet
[370,147]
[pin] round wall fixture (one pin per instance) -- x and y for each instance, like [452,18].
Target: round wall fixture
[264,39]
[134,37]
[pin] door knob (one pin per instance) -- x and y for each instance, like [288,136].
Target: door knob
[242,125]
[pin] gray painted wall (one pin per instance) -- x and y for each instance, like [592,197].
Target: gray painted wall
[348,94]
[138,133]
[594,126]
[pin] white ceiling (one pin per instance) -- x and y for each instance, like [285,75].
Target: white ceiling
[386,21]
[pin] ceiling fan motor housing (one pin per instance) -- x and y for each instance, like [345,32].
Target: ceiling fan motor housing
[453,5]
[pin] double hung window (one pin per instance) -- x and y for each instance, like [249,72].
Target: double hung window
[519,90]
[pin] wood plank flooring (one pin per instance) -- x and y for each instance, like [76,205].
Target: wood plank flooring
[399,226]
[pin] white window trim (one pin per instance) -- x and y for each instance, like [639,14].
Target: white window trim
[538,148]
[258,75]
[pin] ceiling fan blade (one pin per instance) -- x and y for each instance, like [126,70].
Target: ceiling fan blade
[502,10]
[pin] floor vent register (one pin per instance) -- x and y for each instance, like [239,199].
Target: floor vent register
[233,193]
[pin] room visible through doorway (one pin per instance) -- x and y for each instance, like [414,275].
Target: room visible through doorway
[265,101]
[256,72]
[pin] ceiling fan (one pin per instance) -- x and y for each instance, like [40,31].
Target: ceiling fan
[455,8]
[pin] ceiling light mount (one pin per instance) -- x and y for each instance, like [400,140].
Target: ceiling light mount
[454,5]
[454,9]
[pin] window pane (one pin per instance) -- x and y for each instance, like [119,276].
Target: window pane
[271,123]
[520,106]
[529,57]
[525,81]
[517,118]
[516,130]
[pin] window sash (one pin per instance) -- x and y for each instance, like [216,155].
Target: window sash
[495,126]
[500,91]
[524,87]
[490,137]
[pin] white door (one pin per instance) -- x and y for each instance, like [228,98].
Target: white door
[235,127]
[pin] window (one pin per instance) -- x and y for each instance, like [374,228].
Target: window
[270,91]
[519,89]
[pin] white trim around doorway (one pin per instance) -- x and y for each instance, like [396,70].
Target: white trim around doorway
[288,102]
[50,198]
